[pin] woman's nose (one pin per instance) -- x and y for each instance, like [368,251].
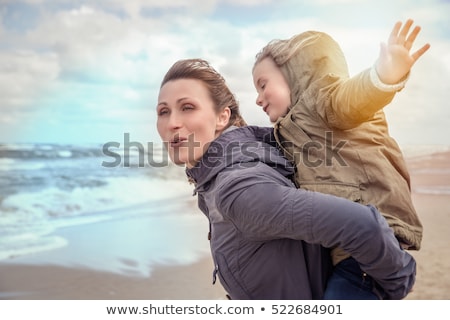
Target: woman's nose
[174,121]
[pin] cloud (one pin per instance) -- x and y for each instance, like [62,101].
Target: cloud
[101,62]
[23,75]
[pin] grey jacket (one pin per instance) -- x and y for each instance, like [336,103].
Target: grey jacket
[265,233]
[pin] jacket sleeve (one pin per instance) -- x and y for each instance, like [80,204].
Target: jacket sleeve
[263,209]
[345,103]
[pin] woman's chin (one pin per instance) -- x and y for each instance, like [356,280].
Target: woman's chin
[178,162]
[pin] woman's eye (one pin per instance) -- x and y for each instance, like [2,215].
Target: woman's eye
[163,112]
[187,107]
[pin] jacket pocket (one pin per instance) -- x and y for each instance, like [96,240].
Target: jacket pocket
[340,189]
[229,281]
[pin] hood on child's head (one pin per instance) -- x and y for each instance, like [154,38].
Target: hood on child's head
[317,57]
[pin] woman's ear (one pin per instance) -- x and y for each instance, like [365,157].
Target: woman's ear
[223,118]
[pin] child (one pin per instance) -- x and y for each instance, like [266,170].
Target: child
[334,130]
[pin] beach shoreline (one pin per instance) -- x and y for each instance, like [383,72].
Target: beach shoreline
[430,176]
[53,282]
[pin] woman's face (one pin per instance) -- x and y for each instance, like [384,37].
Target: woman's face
[187,120]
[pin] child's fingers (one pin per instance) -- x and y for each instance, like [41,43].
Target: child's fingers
[416,55]
[404,31]
[394,33]
[412,37]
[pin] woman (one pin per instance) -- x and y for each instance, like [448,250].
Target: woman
[268,238]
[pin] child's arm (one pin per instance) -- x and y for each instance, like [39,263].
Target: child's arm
[395,61]
[355,100]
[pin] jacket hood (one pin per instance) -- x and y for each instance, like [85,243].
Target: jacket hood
[239,148]
[318,57]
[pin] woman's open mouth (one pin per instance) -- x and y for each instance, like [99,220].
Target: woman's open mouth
[177,141]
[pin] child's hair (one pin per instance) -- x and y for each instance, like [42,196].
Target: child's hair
[282,50]
[221,95]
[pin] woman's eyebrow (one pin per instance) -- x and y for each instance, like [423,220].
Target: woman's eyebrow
[163,103]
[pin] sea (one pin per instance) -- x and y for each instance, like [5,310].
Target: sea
[104,207]
[118,210]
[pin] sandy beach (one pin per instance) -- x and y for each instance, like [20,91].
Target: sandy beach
[192,282]
[430,177]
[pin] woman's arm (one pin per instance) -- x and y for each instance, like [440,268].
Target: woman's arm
[265,209]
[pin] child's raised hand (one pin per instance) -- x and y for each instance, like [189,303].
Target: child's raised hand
[395,61]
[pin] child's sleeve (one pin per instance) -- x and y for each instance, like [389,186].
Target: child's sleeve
[376,81]
[347,102]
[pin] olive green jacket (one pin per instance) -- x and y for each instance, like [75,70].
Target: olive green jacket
[337,135]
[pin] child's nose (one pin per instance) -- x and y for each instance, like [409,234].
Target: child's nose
[259,100]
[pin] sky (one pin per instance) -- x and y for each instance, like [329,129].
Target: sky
[75,72]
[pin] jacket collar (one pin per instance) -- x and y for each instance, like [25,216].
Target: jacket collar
[239,148]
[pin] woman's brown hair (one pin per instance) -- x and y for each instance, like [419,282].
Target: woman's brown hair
[220,93]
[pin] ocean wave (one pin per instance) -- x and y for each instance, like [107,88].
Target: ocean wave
[47,188]
[433,190]
[48,151]
[58,151]
[13,249]
[411,151]
[113,192]
[28,220]
[434,171]
[8,164]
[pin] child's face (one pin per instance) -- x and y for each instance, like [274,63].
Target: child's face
[274,95]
